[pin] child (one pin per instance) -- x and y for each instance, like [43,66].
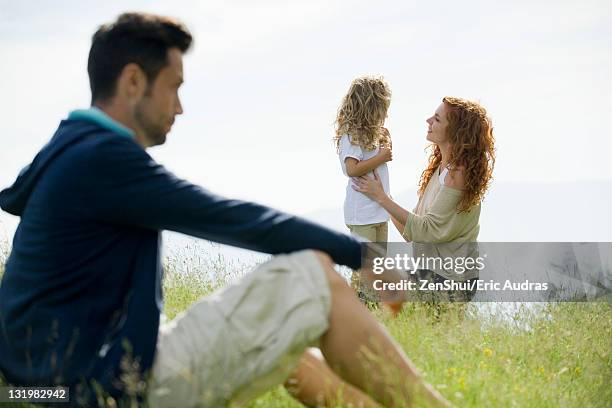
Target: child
[364,145]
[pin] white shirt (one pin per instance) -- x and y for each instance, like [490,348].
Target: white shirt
[359,209]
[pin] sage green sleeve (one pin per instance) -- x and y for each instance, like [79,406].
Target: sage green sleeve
[440,223]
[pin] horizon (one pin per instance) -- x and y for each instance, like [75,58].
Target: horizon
[502,220]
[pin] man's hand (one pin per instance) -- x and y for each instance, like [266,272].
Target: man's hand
[373,281]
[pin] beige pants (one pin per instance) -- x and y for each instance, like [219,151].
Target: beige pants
[373,233]
[244,339]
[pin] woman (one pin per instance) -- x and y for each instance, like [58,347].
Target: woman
[450,190]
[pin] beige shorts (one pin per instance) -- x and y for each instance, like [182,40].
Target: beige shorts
[372,232]
[244,339]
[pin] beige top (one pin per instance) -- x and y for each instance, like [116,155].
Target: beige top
[436,221]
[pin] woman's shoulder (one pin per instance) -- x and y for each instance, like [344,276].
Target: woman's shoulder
[455,178]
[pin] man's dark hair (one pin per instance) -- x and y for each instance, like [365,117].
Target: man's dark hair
[139,38]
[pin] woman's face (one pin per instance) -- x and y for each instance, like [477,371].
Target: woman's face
[436,132]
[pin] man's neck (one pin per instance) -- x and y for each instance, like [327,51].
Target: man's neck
[121,115]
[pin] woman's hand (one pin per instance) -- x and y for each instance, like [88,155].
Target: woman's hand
[371,187]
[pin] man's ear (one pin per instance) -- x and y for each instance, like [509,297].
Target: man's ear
[132,83]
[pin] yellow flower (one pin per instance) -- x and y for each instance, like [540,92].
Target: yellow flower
[578,370]
[541,370]
[487,352]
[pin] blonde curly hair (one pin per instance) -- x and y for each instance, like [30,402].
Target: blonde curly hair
[470,132]
[362,113]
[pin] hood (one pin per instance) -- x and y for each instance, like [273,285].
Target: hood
[70,132]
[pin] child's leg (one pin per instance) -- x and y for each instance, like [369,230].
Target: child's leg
[369,232]
[382,234]
[314,384]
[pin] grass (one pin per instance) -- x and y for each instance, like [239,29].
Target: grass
[558,356]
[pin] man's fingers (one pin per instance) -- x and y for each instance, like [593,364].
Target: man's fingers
[395,307]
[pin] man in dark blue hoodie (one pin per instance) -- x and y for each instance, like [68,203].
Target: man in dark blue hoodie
[80,299]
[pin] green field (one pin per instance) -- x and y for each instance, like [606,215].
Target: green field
[557,356]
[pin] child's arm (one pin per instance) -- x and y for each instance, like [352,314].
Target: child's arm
[357,168]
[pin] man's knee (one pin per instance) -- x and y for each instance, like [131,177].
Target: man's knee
[336,282]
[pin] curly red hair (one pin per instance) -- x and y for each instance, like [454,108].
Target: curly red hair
[470,133]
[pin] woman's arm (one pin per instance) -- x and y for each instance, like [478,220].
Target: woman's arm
[435,226]
[400,227]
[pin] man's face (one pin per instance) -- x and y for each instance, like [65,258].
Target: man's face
[156,110]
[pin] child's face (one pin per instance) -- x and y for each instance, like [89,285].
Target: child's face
[436,132]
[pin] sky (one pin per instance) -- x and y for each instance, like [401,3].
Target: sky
[265,78]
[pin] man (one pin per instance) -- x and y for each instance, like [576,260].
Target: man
[80,300]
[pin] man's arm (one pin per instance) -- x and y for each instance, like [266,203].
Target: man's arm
[128,188]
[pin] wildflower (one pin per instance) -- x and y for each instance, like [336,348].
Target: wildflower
[578,370]
[487,352]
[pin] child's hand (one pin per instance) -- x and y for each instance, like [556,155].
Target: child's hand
[386,138]
[386,133]
[386,154]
